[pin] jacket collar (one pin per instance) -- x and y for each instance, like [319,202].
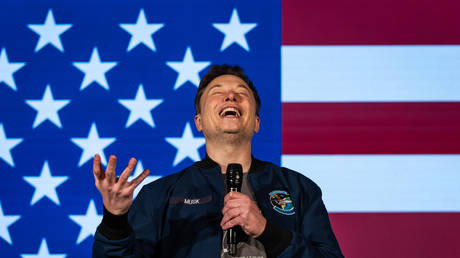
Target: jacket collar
[208,163]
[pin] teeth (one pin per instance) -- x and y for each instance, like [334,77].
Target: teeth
[232,110]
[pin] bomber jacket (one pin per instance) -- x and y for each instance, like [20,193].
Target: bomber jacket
[179,216]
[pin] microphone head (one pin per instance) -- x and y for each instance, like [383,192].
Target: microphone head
[234,175]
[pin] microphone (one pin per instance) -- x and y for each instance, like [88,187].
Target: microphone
[234,181]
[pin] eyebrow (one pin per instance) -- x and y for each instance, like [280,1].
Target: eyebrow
[239,86]
[244,86]
[214,86]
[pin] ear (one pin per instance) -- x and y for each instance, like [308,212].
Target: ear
[198,123]
[257,126]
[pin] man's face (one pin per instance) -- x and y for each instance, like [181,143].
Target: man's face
[228,107]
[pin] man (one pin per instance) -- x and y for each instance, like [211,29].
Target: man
[279,211]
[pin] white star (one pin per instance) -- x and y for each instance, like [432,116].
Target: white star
[140,107]
[187,145]
[47,108]
[5,222]
[43,252]
[92,145]
[6,145]
[188,69]
[49,32]
[7,69]
[234,31]
[45,185]
[141,32]
[87,222]
[139,169]
[94,70]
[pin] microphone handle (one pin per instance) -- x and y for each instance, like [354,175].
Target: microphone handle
[231,240]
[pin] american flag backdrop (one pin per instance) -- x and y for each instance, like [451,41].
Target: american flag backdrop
[112,77]
[360,96]
[371,112]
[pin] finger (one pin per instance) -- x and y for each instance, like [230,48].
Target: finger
[110,170]
[242,199]
[233,222]
[224,221]
[234,195]
[229,215]
[103,171]
[98,172]
[231,205]
[127,171]
[136,181]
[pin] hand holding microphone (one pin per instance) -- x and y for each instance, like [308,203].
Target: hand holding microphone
[234,182]
[239,209]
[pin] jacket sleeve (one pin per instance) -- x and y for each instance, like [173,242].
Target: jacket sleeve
[314,237]
[105,247]
[126,235]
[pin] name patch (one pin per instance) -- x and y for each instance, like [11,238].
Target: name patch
[189,201]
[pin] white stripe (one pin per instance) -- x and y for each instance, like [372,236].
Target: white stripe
[383,183]
[370,73]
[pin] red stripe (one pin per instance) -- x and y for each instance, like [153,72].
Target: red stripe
[371,128]
[340,22]
[382,235]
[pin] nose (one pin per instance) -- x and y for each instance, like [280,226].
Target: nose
[231,96]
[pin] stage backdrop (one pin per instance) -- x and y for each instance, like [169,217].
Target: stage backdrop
[362,97]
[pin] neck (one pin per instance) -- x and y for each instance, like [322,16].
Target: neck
[225,154]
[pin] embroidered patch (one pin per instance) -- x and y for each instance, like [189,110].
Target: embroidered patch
[282,202]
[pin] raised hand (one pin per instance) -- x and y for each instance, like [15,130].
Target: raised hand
[240,210]
[117,193]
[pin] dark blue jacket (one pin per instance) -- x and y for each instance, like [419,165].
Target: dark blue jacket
[179,216]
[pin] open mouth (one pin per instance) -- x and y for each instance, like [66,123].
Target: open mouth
[230,112]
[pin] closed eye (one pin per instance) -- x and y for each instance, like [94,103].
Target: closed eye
[243,93]
[243,90]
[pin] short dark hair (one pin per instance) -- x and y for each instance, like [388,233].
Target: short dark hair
[218,70]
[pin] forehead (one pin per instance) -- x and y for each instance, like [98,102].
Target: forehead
[228,80]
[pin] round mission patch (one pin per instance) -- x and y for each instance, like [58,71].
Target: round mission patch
[282,202]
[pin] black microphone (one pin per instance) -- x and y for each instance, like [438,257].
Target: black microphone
[234,181]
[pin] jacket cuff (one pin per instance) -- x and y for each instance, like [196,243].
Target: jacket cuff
[275,239]
[114,227]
